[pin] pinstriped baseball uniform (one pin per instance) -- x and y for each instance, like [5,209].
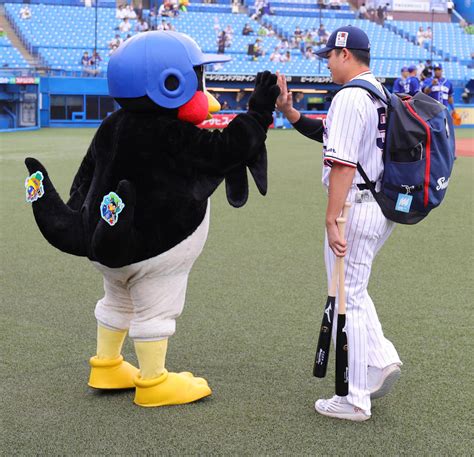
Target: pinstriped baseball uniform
[355,129]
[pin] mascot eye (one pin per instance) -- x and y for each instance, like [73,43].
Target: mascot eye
[171,83]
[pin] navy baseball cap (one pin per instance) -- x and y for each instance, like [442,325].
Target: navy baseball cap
[411,68]
[437,66]
[349,37]
[404,69]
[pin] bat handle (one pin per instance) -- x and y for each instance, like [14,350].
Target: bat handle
[341,225]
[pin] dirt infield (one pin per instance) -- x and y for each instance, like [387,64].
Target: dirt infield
[465,147]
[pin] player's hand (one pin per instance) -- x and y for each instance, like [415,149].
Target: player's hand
[336,243]
[284,101]
[266,91]
[435,82]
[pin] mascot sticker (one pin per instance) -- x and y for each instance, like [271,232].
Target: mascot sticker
[110,208]
[34,187]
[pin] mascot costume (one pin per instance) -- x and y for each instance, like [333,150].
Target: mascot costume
[139,203]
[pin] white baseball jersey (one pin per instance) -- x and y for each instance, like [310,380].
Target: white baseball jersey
[355,131]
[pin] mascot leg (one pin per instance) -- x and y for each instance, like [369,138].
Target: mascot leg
[113,314]
[156,387]
[108,369]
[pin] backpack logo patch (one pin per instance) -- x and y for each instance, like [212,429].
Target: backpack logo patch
[442,183]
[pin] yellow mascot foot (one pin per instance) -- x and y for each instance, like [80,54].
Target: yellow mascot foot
[111,374]
[170,389]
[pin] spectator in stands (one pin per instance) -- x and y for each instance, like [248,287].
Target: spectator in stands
[141,26]
[335,4]
[400,85]
[450,6]
[262,31]
[362,12]
[298,34]
[275,56]
[117,41]
[85,63]
[323,35]
[25,12]
[258,50]
[171,27]
[298,101]
[321,4]
[309,54]
[270,31]
[259,5]
[283,44]
[428,34]
[125,26]
[120,12]
[183,6]
[420,36]
[380,15]
[286,57]
[229,33]
[412,85]
[439,87]
[221,42]
[225,106]
[163,26]
[165,9]
[130,13]
[427,70]
[93,67]
[247,30]
[240,101]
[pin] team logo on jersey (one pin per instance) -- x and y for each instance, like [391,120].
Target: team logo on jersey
[442,183]
[341,39]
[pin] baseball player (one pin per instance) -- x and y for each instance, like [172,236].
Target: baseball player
[399,86]
[412,85]
[354,132]
[439,88]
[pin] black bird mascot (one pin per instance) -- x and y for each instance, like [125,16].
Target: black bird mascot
[139,203]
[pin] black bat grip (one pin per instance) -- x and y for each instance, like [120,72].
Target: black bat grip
[324,341]
[342,365]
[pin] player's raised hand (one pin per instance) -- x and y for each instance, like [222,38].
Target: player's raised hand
[284,101]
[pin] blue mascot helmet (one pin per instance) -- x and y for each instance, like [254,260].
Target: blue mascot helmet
[143,64]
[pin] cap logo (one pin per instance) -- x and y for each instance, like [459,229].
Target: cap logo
[341,39]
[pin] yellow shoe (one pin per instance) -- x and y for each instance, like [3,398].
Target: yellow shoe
[111,374]
[170,389]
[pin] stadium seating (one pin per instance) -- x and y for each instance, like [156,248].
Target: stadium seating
[450,40]
[60,35]
[10,57]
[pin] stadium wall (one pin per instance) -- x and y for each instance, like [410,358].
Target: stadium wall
[84,102]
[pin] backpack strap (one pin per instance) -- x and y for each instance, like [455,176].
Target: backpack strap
[370,88]
[384,98]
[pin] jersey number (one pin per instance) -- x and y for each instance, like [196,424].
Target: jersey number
[382,128]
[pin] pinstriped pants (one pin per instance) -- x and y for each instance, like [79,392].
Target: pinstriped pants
[367,230]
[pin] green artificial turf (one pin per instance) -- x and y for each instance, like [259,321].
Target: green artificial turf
[254,304]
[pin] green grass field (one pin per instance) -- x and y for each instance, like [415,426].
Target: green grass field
[250,325]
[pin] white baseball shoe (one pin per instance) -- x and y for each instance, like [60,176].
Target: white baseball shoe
[381,381]
[340,408]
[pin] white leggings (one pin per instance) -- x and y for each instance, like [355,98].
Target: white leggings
[367,230]
[146,297]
